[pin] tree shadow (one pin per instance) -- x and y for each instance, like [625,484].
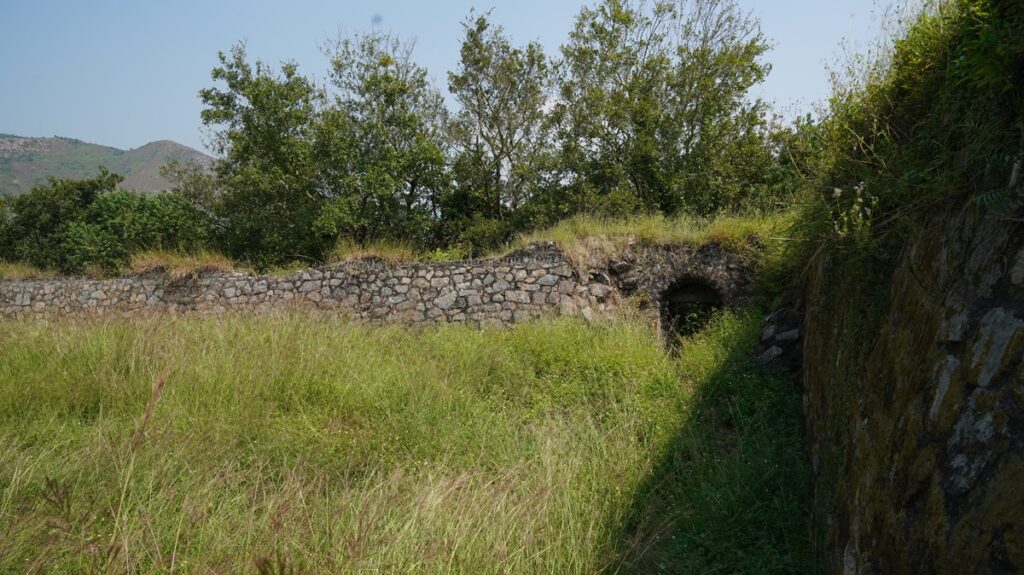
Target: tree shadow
[732,490]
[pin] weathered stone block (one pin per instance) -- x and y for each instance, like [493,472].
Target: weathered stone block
[446,300]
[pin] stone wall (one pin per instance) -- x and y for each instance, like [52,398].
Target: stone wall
[916,418]
[537,281]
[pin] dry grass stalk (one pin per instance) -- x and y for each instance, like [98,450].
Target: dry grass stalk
[177,266]
[154,396]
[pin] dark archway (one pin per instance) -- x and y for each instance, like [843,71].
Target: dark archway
[686,308]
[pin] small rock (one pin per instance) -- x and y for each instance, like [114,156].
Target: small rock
[1017,271]
[791,335]
[620,267]
[518,296]
[770,355]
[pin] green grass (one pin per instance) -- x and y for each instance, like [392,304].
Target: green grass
[23,271]
[555,447]
[587,238]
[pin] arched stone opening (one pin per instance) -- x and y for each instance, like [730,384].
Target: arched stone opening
[686,307]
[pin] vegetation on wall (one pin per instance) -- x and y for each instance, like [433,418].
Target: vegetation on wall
[935,125]
[937,121]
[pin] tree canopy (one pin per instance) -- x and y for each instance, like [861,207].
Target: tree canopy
[646,108]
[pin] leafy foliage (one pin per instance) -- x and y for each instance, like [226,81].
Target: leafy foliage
[39,221]
[647,112]
[653,105]
[72,225]
[938,122]
[269,197]
[500,137]
[394,165]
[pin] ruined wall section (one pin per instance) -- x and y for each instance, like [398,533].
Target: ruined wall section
[522,286]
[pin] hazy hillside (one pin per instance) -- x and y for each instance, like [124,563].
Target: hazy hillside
[27,162]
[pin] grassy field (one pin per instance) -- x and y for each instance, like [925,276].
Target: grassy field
[297,443]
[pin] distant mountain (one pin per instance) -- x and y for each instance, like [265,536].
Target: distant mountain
[27,162]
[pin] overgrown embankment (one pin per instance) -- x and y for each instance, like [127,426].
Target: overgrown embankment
[198,444]
[914,287]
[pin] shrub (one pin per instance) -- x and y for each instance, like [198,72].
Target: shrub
[73,225]
[482,234]
[6,238]
[140,222]
[39,219]
[89,246]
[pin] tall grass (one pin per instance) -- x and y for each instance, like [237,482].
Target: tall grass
[178,265]
[232,444]
[392,252]
[611,235]
[23,271]
[585,239]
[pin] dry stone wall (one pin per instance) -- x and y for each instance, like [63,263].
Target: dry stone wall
[536,281]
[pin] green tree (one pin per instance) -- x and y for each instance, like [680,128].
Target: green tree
[193,183]
[270,195]
[654,111]
[500,137]
[387,124]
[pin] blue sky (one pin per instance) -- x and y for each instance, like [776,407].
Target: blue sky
[127,72]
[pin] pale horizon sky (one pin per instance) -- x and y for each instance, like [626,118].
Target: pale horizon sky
[124,73]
